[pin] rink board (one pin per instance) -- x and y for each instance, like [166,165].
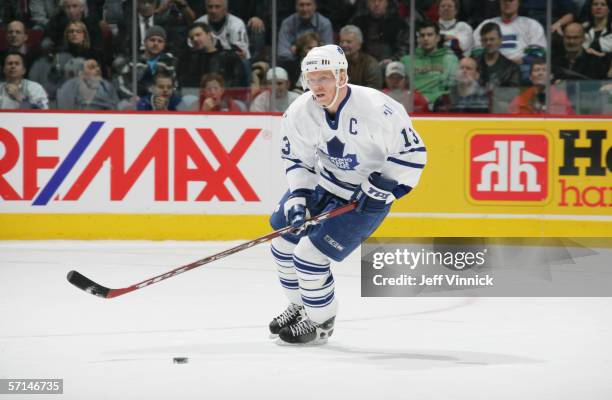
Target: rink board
[216,177]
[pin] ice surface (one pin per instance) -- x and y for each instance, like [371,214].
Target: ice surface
[217,315]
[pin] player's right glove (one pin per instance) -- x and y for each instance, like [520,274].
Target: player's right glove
[295,207]
[372,195]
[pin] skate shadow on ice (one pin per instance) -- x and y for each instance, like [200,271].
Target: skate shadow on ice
[408,360]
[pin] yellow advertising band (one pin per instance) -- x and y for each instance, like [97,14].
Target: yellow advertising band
[239,227]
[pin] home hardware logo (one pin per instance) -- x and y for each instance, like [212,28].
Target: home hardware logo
[509,167]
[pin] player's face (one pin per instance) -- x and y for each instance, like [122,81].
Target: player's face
[428,39]
[323,86]
[491,42]
[447,9]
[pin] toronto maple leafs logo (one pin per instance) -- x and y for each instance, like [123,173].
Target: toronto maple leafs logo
[335,155]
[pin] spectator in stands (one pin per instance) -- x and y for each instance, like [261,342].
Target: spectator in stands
[339,12]
[87,91]
[17,92]
[147,18]
[522,37]
[495,69]
[467,95]
[150,63]
[397,89]
[283,97]
[598,27]
[229,29]
[303,44]
[258,78]
[254,13]
[573,62]
[257,14]
[458,35]
[77,43]
[476,11]
[162,97]
[362,67]
[562,12]
[11,10]
[205,56]
[71,11]
[212,96]
[385,34]
[305,19]
[435,67]
[52,70]
[533,100]
[16,38]
[42,11]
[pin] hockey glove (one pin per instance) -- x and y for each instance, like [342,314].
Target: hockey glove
[295,207]
[371,196]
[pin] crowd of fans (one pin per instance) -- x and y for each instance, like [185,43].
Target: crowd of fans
[215,55]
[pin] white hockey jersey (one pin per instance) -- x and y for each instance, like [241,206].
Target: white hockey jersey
[517,35]
[370,132]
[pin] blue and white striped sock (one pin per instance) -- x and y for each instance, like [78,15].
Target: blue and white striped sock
[282,252]
[316,282]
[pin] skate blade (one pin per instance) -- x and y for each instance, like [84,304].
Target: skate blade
[273,335]
[314,343]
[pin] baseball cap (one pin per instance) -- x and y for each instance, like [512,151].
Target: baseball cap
[395,67]
[281,74]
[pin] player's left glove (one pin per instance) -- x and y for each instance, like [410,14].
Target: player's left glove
[372,195]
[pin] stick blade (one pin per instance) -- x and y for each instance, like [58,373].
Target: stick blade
[84,283]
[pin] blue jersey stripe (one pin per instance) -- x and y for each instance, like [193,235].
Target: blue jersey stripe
[296,166]
[419,149]
[406,163]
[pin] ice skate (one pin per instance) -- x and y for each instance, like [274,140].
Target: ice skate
[293,314]
[307,332]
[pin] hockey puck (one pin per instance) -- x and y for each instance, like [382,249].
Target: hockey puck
[180,360]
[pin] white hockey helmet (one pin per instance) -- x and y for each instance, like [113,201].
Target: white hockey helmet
[324,58]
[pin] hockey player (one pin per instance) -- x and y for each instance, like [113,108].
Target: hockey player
[340,143]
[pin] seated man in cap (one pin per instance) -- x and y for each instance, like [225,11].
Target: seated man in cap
[397,88]
[283,97]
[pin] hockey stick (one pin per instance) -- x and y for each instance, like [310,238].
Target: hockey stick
[82,282]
